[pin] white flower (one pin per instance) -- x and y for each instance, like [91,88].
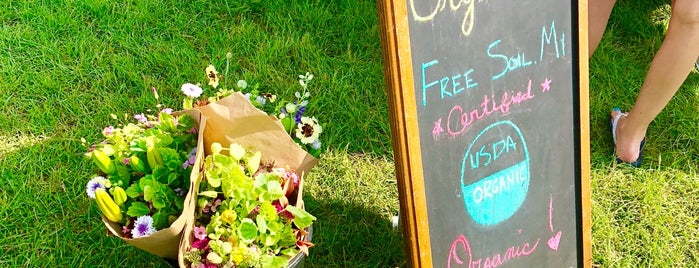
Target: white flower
[308,130]
[192,90]
[94,184]
[143,226]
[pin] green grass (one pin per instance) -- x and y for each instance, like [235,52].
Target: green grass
[66,65]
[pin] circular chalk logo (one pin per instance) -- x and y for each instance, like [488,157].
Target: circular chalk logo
[495,173]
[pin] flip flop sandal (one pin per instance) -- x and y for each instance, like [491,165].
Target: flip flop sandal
[613,124]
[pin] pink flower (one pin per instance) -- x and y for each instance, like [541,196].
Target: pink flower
[294,178]
[200,232]
[167,111]
[201,244]
[140,117]
[108,130]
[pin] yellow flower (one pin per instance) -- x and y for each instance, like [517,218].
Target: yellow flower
[212,74]
[228,216]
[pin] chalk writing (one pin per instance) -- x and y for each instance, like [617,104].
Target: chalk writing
[510,63]
[458,120]
[556,239]
[460,246]
[495,195]
[546,85]
[466,23]
[446,89]
[548,37]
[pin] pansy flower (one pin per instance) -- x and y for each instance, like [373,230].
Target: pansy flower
[212,74]
[308,130]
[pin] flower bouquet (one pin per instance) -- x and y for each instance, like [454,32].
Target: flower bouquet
[303,129]
[288,139]
[145,171]
[245,216]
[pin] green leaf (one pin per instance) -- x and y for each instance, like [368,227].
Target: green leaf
[134,190]
[160,220]
[236,180]
[159,202]
[148,192]
[185,122]
[247,230]
[174,179]
[167,122]
[137,209]
[270,261]
[288,123]
[302,219]
[252,162]
[275,190]
[261,223]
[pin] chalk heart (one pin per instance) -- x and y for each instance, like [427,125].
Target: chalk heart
[554,241]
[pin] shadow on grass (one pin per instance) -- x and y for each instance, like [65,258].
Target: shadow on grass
[347,235]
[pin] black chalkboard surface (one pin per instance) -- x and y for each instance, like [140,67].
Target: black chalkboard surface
[489,119]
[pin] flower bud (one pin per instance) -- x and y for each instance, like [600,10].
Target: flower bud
[138,165]
[103,162]
[119,195]
[107,205]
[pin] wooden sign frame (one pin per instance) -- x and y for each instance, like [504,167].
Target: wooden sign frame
[398,69]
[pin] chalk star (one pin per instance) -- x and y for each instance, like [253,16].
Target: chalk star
[546,85]
[437,130]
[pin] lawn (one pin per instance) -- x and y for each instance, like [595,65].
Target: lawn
[66,65]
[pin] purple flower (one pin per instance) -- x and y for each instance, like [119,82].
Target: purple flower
[126,161]
[299,113]
[192,90]
[200,232]
[108,130]
[167,111]
[140,117]
[192,157]
[94,184]
[143,227]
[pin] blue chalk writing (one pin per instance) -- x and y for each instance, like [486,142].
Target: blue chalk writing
[449,86]
[495,197]
[509,63]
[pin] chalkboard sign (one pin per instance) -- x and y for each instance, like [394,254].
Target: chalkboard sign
[489,118]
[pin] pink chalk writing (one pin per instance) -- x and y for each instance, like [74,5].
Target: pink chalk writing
[490,105]
[461,247]
[546,85]
[554,241]
[551,212]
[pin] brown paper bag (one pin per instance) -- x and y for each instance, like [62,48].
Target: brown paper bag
[165,243]
[234,119]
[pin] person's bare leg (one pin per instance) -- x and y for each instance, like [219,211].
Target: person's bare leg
[667,72]
[597,16]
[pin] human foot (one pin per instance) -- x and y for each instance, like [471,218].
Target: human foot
[628,149]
